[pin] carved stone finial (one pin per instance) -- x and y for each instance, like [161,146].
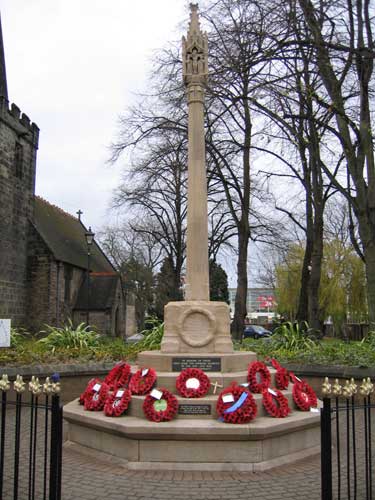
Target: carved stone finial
[194,51]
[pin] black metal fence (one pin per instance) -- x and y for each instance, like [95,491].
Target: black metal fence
[346,444]
[30,441]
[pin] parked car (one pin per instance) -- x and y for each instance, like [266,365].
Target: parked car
[256,332]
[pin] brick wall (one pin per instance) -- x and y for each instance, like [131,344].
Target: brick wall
[18,146]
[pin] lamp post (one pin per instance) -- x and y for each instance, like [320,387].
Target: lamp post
[89,235]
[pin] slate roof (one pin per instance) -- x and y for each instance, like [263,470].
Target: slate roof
[65,237]
[102,292]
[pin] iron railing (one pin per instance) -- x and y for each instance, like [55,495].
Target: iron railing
[346,441]
[30,440]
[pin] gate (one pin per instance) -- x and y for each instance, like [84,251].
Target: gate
[30,440]
[346,441]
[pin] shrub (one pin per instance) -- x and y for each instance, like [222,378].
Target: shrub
[152,337]
[294,336]
[68,337]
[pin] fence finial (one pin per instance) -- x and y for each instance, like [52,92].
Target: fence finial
[367,387]
[19,384]
[50,387]
[336,388]
[353,386]
[4,383]
[34,386]
[326,387]
[347,389]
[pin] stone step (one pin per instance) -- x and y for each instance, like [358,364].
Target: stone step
[216,362]
[202,408]
[167,380]
[194,429]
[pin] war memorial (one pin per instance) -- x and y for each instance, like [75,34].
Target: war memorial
[208,430]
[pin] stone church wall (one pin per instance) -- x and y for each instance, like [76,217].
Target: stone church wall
[18,146]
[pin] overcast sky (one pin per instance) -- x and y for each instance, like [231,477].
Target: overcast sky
[73,66]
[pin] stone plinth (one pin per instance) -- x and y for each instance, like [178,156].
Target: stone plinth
[196,326]
[199,444]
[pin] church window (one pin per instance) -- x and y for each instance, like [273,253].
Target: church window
[18,160]
[68,274]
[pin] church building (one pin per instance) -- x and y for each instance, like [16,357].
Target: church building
[44,276]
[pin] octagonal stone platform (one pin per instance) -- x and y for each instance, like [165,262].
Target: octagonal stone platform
[199,441]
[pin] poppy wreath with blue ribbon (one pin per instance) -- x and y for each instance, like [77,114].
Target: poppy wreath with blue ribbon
[119,376]
[142,384]
[160,410]
[240,411]
[282,375]
[303,395]
[276,406]
[190,392]
[116,405]
[258,376]
[95,400]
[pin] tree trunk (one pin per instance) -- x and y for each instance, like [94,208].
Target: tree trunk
[240,309]
[367,234]
[370,276]
[314,318]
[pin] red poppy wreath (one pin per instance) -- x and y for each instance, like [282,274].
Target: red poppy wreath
[236,405]
[303,395]
[161,408]
[89,386]
[282,375]
[95,398]
[275,403]
[116,404]
[192,383]
[258,376]
[119,376]
[142,381]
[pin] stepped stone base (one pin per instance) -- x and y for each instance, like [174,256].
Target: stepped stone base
[193,444]
[196,440]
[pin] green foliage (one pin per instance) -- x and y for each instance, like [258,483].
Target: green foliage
[139,284]
[17,337]
[293,336]
[342,290]
[326,352]
[218,283]
[288,281]
[68,337]
[152,336]
[369,340]
[166,289]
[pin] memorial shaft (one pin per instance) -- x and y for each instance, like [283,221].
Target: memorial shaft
[195,78]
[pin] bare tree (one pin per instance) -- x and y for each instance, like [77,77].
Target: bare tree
[342,36]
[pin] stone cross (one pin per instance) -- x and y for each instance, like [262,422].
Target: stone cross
[79,213]
[194,57]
